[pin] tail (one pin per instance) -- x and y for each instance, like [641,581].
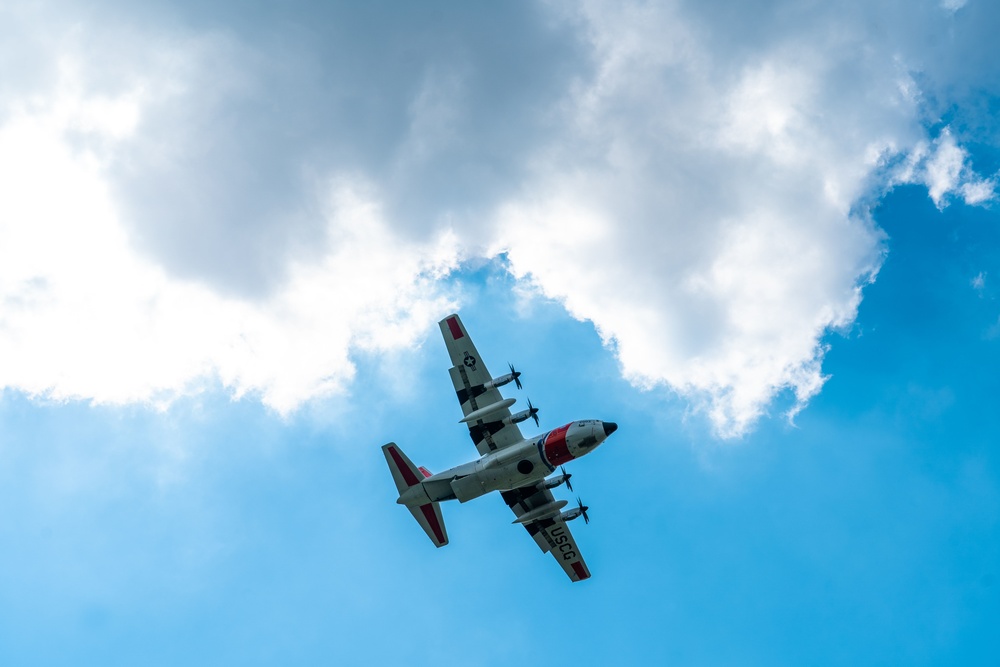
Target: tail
[406,475]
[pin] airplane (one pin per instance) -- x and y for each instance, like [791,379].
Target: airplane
[516,466]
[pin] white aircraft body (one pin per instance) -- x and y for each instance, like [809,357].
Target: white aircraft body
[516,466]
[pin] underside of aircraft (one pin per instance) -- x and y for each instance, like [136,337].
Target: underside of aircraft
[522,469]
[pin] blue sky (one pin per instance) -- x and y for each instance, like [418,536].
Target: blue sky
[763,239]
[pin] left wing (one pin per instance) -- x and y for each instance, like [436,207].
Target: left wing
[551,535]
[469,375]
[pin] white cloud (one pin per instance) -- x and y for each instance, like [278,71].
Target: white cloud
[85,316]
[180,205]
[943,167]
[705,228]
[711,220]
[978,191]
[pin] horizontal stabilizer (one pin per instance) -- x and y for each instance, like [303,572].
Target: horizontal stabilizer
[430,519]
[404,473]
[407,475]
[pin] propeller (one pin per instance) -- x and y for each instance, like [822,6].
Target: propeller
[583,509]
[533,412]
[517,381]
[569,486]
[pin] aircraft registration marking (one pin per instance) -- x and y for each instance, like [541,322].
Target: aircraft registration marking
[561,541]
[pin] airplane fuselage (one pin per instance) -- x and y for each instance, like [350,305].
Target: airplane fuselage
[527,462]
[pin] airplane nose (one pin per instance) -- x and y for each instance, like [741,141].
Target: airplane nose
[609,428]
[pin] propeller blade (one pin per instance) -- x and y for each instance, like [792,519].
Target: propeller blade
[583,510]
[569,486]
[517,376]
[533,411]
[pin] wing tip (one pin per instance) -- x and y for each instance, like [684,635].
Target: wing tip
[453,325]
[581,571]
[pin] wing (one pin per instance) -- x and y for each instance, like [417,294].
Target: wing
[550,535]
[468,375]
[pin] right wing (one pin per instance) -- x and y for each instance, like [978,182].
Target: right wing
[551,535]
[468,375]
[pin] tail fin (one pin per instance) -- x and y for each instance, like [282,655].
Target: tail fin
[407,475]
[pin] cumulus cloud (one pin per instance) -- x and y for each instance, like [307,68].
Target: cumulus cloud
[251,201]
[84,315]
[706,228]
[943,167]
[713,224]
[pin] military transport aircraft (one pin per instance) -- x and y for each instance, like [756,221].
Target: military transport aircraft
[515,466]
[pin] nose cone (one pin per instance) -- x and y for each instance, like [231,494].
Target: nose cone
[609,428]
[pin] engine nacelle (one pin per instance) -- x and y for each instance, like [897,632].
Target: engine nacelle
[517,417]
[499,381]
[553,482]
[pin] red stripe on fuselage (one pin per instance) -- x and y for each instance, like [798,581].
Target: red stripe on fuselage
[432,519]
[404,469]
[580,572]
[556,449]
[456,332]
